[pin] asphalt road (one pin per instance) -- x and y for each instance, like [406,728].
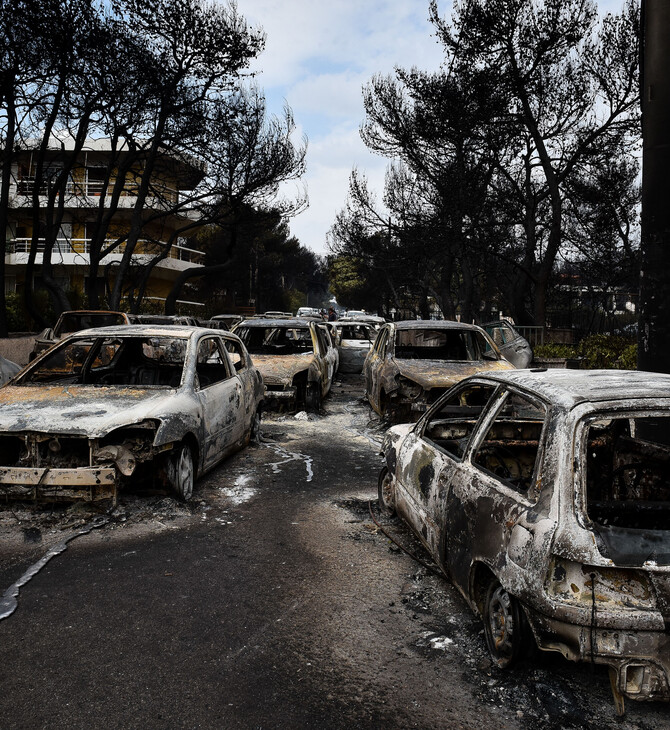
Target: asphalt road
[271,601]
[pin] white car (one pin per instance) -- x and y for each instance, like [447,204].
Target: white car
[108,406]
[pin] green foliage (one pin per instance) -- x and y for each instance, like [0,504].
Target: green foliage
[611,352]
[608,351]
[16,315]
[293,300]
[556,350]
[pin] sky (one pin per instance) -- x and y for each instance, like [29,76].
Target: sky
[318,56]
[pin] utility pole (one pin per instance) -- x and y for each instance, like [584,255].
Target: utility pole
[654,321]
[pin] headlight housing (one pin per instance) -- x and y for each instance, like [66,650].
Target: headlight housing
[408,389]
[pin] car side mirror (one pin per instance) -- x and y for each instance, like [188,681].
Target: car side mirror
[490,355]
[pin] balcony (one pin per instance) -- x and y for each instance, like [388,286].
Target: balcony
[76,252]
[88,194]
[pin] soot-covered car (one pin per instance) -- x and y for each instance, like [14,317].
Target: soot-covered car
[296,357]
[545,497]
[110,406]
[354,340]
[413,362]
[511,343]
[75,321]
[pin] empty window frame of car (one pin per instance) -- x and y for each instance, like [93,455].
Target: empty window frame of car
[626,493]
[112,361]
[274,340]
[510,448]
[451,424]
[440,344]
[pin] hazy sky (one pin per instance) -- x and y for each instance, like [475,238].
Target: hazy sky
[318,55]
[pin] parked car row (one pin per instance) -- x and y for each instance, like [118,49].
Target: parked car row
[543,495]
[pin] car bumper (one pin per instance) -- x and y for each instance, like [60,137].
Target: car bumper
[285,396]
[639,659]
[89,484]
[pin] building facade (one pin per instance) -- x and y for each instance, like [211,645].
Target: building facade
[91,197]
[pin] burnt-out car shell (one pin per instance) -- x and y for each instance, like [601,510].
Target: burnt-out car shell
[109,405]
[413,362]
[354,340]
[545,497]
[296,358]
[75,321]
[511,343]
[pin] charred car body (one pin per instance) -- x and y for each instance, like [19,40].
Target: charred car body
[296,358]
[413,362]
[110,404]
[545,497]
[513,346]
[75,321]
[354,340]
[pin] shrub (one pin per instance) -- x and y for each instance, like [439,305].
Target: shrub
[595,351]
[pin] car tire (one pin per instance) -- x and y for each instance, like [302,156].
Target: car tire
[386,493]
[181,472]
[505,627]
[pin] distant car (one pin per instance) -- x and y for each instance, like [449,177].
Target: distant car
[359,316]
[354,340]
[106,407]
[413,362]
[296,357]
[230,320]
[513,346]
[308,312]
[276,315]
[165,319]
[74,321]
[213,324]
[544,496]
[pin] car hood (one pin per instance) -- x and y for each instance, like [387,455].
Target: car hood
[282,368]
[82,409]
[440,374]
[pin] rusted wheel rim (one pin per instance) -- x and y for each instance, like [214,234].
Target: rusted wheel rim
[501,623]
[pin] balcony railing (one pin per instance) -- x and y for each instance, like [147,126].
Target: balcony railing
[83,246]
[27,186]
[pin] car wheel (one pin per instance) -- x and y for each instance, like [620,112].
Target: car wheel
[181,472]
[313,396]
[386,493]
[507,634]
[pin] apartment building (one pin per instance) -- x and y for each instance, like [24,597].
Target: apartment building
[88,196]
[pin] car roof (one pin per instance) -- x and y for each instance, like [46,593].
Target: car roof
[276,322]
[569,388]
[435,324]
[157,330]
[352,323]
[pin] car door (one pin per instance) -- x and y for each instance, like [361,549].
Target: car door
[429,457]
[328,356]
[494,488]
[373,366]
[249,377]
[221,397]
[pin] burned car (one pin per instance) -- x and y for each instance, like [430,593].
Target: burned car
[413,362]
[112,405]
[75,321]
[295,356]
[354,340]
[513,345]
[545,497]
